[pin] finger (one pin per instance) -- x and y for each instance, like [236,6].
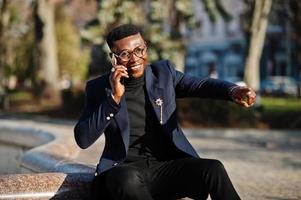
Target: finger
[119,70]
[117,76]
[251,97]
[240,97]
[251,100]
[241,102]
[124,75]
[245,104]
[247,91]
[239,92]
[248,100]
[120,67]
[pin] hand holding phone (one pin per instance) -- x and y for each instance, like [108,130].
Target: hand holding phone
[118,73]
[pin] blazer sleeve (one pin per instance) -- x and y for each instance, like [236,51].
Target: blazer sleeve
[190,86]
[95,117]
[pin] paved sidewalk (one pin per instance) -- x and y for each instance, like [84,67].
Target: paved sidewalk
[262,165]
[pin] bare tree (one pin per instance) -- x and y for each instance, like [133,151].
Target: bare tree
[257,36]
[3,24]
[47,60]
[295,15]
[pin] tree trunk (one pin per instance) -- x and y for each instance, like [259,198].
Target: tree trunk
[295,9]
[3,23]
[257,37]
[47,49]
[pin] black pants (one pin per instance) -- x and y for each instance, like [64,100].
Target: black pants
[169,180]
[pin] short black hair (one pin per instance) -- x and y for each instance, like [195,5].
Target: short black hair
[121,32]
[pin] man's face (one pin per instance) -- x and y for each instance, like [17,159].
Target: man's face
[135,48]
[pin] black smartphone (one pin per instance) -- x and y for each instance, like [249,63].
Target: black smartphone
[114,62]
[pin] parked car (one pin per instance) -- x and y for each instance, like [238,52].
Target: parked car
[279,86]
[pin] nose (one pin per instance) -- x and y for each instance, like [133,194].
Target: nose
[134,58]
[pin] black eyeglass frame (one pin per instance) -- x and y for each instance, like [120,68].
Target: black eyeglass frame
[131,53]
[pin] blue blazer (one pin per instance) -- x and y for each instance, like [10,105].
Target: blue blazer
[102,115]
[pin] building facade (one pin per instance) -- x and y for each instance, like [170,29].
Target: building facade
[220,48]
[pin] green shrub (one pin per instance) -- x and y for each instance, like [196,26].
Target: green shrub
[205,112]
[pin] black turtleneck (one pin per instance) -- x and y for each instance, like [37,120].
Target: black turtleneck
[147,140]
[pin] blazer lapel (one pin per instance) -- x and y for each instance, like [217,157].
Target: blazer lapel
[155,94]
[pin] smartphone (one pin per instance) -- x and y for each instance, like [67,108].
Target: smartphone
[114,62]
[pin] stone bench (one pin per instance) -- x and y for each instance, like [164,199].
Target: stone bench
[42,186]
[46,166]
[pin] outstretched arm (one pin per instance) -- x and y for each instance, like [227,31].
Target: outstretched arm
[189,86]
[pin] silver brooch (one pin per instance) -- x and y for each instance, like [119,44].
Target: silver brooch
[159,102]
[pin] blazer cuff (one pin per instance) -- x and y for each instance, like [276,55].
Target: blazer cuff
[231,90]
[111,101]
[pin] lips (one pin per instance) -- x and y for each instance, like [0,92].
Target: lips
[136,67]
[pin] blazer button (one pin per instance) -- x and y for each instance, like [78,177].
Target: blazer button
[108,118]
[115,164]
[111,115]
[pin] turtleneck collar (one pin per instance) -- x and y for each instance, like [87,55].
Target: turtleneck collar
[133,83]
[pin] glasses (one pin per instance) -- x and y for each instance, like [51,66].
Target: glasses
[126,55]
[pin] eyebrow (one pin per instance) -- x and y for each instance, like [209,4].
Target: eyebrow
[138,45]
